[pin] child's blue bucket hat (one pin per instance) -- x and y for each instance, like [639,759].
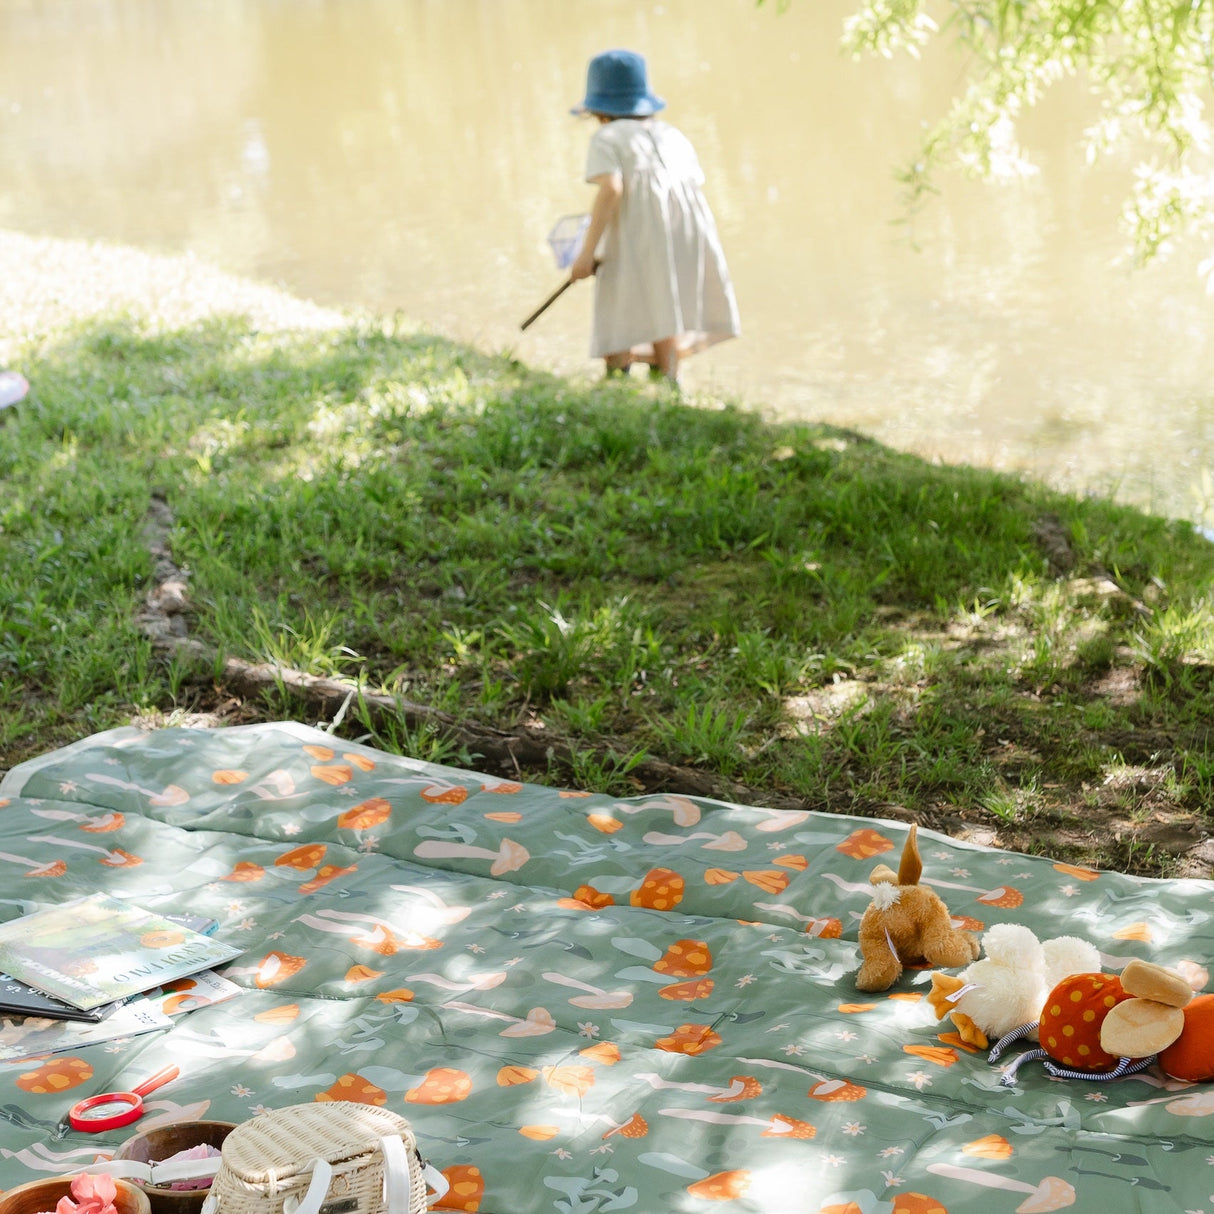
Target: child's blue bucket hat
[617,85]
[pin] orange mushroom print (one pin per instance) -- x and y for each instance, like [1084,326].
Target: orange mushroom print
[722,1186]
[245,870]
[354,1087]
[58,1075]
[324,874]
[302,858]
[366,814]
[335,774]
[865,843]
[605,823]
[445,794]
[593,898]
[277,967]
[104,825]
[512,1076]
[635,1127]
[685,959]
[35,868]
[834,1091]
[662,889]
[466,1189]
[442,1085]
[285,1013]
[991,1146]
[917,1203]
[690,1039]
[607,1053]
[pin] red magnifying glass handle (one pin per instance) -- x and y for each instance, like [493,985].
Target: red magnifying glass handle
[157,1081]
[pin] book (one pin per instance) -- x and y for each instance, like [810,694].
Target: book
[99,949]
[33,1037]
[18,998]
[188,994]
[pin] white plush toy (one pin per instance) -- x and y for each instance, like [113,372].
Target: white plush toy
[1006,987]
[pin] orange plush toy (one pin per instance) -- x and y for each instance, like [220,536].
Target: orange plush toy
[906,923]
[1101,1026]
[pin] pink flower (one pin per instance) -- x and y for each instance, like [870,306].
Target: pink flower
[93,1194]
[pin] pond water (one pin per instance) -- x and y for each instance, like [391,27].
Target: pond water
[412,154]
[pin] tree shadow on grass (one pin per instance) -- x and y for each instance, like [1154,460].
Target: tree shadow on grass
[512,546]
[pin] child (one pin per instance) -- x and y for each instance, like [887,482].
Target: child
[662,288]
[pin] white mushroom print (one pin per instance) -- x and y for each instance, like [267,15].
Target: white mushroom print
[741,1087]
[367,931]
[1051,1193]
[685,812]
[509,857]
[112,858]
[107,822]
[1192,1104]
[775,1126]
[780,819]
[36,868]
[593,996]
[729,841]
[440,912]
[536,1023]
[173,794]
[1003,895]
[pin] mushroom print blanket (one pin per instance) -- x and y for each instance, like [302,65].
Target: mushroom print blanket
[580,1002]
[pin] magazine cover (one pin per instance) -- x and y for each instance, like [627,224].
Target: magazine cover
[18,997]
[99,949]
[33,1037]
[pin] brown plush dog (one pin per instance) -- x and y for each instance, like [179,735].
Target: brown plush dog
[906,924]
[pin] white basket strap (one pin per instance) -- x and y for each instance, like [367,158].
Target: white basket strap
[322,1174]
[435,1180]
[397,1187]
[157,1174]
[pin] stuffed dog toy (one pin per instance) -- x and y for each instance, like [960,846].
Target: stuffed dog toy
[907,924]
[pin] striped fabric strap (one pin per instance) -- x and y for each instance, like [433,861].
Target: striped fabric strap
[1018,1034]
[1008,1078]
[1125,1066]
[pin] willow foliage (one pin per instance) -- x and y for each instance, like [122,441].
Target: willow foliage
[1150,64]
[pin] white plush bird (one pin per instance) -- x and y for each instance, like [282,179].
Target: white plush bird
[1006,987]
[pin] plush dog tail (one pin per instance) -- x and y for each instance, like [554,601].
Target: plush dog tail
[911,868]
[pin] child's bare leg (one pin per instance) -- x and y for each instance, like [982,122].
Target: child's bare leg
[618,364]
[666,358]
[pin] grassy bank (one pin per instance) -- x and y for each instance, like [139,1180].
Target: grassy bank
[792,608]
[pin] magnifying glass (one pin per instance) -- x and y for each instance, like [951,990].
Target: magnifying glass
[112,1110]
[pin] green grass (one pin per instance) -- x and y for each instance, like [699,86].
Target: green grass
[793,607]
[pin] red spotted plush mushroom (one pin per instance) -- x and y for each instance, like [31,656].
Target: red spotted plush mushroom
[1100,1026]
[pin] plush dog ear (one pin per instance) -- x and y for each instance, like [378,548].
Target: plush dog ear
[911,868]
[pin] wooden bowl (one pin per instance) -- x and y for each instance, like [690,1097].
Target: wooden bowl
[155,1146]
[40,1196]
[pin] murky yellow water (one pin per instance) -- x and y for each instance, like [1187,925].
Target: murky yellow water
[412,154]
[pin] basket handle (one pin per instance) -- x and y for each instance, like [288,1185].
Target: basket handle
[398,1176]
[158,1174]
[397,1181]
[318,1186]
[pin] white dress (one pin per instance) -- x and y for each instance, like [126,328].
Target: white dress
[663,273]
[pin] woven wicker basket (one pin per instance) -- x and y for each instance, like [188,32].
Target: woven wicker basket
[278,1163]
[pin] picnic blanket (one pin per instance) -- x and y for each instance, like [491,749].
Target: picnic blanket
[582,1003]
